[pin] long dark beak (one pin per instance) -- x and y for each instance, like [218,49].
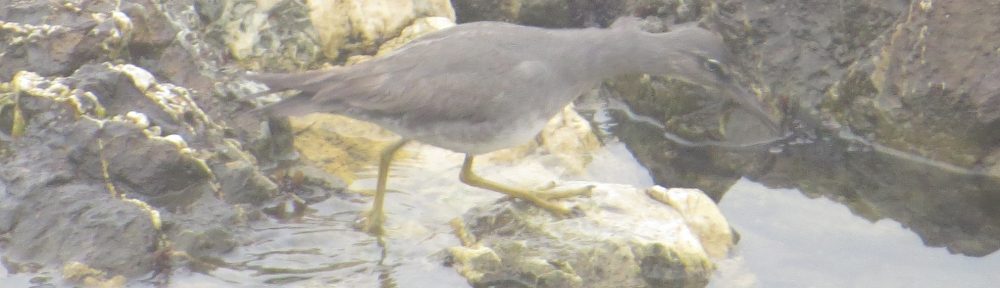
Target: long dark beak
[749,102]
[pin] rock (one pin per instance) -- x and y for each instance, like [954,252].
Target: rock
[701,215]
[571,139]
[623,239]
[370,22]
[922,76]
[57,215]
[95,175]
[338,28]
[31,44]
[90,277]
[565,13]
[419,27]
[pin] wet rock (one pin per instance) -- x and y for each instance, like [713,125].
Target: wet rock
[79,273]
[624,238]
[56,215]
[103,185]
[890,76]
[570,13]
[370,22]
[53,39]
[569,137]
[336,29]
[925,93]
[419,27]
[702,217]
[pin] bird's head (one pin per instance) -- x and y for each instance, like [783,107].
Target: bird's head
[700,57]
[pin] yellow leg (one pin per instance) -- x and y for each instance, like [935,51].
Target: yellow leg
[470,178]
[376,217]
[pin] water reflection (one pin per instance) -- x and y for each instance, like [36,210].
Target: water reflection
[946,207]
[791,240]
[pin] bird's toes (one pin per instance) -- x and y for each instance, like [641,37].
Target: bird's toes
[371,223]
[555,193]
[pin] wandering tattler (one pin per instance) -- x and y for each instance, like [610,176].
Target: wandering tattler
[480,87]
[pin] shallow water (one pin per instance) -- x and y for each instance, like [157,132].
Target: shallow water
[790,240]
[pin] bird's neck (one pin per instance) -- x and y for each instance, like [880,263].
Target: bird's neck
[598,54]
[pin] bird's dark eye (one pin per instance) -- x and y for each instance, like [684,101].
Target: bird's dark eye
[714,66]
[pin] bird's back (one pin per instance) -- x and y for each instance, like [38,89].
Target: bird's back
[469,79]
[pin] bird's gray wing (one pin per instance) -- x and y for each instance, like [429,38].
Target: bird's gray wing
[345,81]
[458,73]
[453,90]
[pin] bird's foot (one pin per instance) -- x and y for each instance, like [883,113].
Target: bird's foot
[544,197]
[552,191]
[371,222]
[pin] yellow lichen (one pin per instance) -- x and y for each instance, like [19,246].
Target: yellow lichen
[32,84]
[21,33]
[17,127]
[138,119]
[926,5]
[99,111]
[118,36]
[176,101]
[104,170]
[90,277]
[154,215]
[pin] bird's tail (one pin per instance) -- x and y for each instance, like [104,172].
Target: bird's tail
[308,83]
[297,105]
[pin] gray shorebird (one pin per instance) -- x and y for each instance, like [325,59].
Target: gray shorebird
[480,87]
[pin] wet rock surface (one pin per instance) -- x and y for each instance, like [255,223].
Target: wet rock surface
[572,13]
[622,238]
[86,184]
[104,165]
